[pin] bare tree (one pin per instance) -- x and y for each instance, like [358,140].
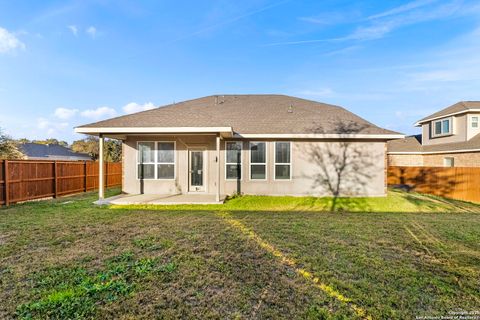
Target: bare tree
[345,166]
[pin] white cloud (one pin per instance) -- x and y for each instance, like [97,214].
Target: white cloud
[74,29]
[342,51]
[380,25]
[92,31]
[97,114]
[51,128]
[134,107]
[8,41]
[65,113]
[405,16]
[42,123]
[403,8]
[456,63]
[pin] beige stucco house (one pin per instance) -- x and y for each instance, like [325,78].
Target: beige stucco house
[450,138]
[251,144]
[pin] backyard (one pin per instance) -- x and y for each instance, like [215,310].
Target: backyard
[399,257]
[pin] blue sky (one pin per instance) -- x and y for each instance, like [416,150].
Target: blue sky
[65,63]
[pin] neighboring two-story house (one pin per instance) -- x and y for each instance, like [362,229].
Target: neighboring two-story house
[450,138]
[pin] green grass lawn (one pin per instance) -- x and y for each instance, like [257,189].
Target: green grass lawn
[398,257]
[397,201]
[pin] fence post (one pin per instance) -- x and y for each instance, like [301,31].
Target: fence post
[85,176]
[55,179]
[5,180]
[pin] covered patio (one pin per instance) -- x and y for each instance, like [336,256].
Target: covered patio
[194,160]
[166,199]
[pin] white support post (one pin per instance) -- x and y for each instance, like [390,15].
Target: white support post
[101,180]
[217,196]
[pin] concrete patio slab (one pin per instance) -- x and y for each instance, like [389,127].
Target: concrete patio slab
[156,199]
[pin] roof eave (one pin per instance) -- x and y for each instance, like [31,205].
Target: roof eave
[224,131]
[320,136]
[428,119]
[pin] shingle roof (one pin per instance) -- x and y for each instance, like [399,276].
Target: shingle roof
[408,144]
[414,144]
[462,106]
[51,151]
[265,114]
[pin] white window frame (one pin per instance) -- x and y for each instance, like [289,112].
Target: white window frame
[234,163]
[475,122]
[257,163]
[174,160]
[156,163]
[445,162]
[442,134]
[154,160]
[275,161]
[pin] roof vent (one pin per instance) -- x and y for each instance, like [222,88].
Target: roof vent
[290,109]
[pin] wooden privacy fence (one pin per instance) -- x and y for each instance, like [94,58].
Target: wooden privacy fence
[22,180]
[454,183]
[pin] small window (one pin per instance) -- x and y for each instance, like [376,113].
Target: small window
[438,128]
[474,122]
[449,162]
[442,127]
[445,126]
[156,160]
[283,161]
[233,162]
[258,161]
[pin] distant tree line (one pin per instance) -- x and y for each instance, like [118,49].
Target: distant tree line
[10,148]
[46,141]
[112,148]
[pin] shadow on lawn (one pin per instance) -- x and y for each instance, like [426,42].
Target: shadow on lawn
[432,202]
[441,183]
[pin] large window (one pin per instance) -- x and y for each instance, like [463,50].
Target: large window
[258,161]
[233,162]
[283,162]
[442,127]
[156,160]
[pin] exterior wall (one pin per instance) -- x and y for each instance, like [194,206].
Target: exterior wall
[468,159]
[304,170]
[405,160]
[460,159]
[471,132]
[459,129]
